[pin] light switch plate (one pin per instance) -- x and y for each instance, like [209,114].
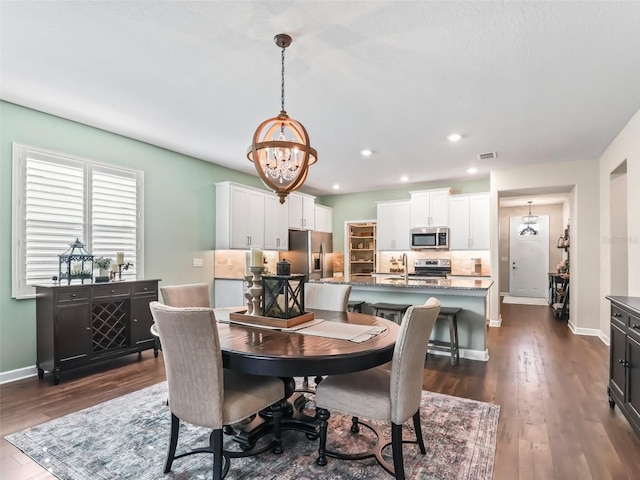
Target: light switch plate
[198,262]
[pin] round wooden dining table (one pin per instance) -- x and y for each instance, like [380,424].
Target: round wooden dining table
[262,351]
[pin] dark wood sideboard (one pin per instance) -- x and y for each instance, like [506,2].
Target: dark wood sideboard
[624,367]
[79,325]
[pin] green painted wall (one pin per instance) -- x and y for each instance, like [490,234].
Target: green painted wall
[362,206]
[179,198]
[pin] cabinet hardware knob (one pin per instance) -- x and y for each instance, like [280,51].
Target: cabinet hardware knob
[73,295]
[88,328]
[621,361]
[617,315]
[636,326]
[135,319]
[145,289]
[113,291]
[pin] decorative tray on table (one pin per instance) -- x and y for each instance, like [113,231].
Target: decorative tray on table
[271,321]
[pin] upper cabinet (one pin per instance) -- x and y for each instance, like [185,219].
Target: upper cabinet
[469,222]
[430,208]
[239,216]
[301,211]
[393,225]
[276,223]
[323,219]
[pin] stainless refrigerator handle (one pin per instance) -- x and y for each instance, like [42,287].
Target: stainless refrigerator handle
[322,260]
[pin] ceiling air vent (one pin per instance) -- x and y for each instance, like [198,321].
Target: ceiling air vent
[487,155]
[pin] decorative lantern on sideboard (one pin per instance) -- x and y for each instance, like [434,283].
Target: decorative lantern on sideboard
[75,264]
[282,296]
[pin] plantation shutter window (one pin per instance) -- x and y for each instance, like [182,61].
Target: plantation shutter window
[58,199]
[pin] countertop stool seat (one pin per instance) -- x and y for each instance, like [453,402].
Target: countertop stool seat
[355,306]
[395,309]
[450,315]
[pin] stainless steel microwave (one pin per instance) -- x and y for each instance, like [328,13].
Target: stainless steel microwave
[430,238]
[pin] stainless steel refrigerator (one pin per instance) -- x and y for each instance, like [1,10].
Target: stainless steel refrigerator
[310,253]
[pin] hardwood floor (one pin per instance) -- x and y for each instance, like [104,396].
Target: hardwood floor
[555,421]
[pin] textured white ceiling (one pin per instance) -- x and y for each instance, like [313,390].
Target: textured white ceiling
[534,81]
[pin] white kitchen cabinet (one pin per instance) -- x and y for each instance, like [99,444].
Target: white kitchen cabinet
[229,293]
[469,222]
[430,208]
[239,216]
[393,225]
[276,223]
[301,211]
[324,219]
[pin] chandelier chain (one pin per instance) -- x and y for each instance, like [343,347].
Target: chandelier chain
[282,83]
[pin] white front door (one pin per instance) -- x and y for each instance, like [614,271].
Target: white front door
[529,258]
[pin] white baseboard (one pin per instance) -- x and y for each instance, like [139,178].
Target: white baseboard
[496,323]
[591,332]
[18,374]
[479,355]
[605,338]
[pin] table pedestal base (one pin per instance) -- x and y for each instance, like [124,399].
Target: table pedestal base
[293,418]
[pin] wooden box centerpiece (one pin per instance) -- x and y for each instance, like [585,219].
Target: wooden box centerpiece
[282,303]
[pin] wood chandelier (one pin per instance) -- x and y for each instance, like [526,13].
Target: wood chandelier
[282,161]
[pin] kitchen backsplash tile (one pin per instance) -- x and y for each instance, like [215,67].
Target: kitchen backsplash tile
[230,263]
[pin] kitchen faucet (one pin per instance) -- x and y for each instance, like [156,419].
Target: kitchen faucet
[406,268]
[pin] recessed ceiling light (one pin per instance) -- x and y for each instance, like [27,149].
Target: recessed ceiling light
[366,152]
[472,170]
[336,186]
[454,137]
[404,178]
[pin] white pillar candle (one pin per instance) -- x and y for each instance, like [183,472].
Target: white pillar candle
[114,267]
[120,258]
[256,257]
[247,263]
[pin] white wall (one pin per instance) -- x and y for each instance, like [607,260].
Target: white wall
[581,179]
[626,146]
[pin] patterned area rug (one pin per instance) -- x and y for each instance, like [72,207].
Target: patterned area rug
[526,300]
[127,438]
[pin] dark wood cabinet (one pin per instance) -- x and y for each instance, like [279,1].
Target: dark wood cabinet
[624,366]
[78,325]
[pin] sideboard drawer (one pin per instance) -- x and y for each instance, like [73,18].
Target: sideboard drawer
[72,296]
[619,316]
[111,291]
[145,288]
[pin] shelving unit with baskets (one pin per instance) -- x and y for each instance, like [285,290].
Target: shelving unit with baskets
[362,249]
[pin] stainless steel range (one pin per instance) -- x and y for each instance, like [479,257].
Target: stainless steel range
[426,268]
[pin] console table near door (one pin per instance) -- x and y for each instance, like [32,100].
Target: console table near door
[624,366]
[79,325]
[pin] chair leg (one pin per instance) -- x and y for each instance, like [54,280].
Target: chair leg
[215,442]
[396,447]
[276,411]
[173,442]
[418,428]
[323,418]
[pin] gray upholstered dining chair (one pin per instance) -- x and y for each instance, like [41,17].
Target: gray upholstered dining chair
[325,296]
[201,392]
[190,295]
[381,394]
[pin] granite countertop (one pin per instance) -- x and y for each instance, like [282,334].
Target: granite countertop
[437,283]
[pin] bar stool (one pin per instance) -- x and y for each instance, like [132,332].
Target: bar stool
[449,314]
[395,309]
[355,306]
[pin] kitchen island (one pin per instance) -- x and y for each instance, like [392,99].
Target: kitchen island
[469,294]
